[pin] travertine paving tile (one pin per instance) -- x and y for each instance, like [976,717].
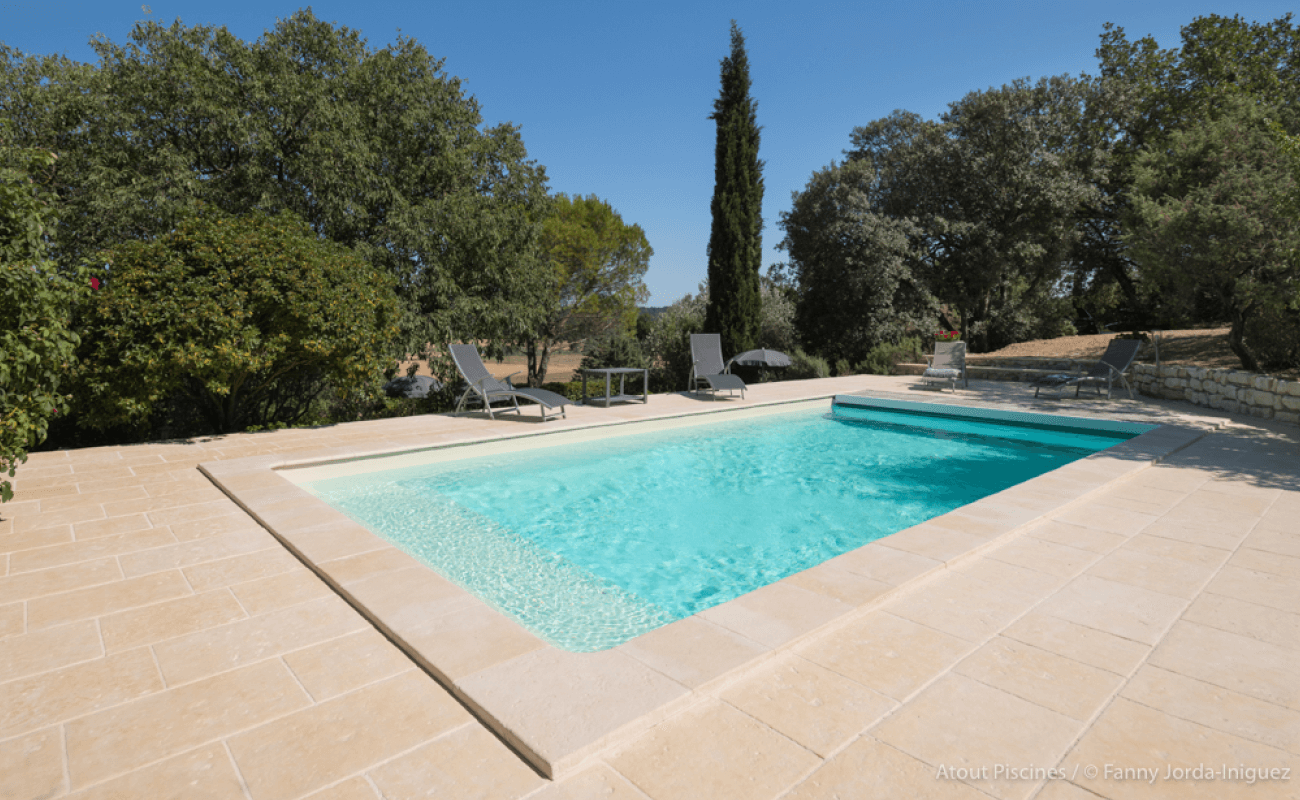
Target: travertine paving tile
[777,613]
[840,584]
[238,569]
[31,540]
[1222,521]
[964,607]
[366,565]
[598,781]
[868,768]
[468,762]
[1119,521]
[1262,561]
[45,582]
[113,545]
[1261,588]
[1053,681]
[1131,736]
[330,542]
[887,654]
[166,723]
[357,788]
[43,612]
[817,708]
[407,599]
[693,651]
[30,703]
[149,505]
[53,519]
[1162,574]
[45,650]
[99,497]
[12,620]
[1176,550]
[237,521]
[1044,556]
[1002,574]
[1215,707]
[931,540]
[885,564]
[202,774]
[1128,611]
[280,591]
[1274,540]
[4,565]
[1208,535]
[349,662]
[322,744]
[168,620]
[1247,619]
[1218,498]
[97,528]
[1258,669]
[206,652]
[1078,642]
[1077,536]
[713,751]
[31,766]
[959,722]
[209,548]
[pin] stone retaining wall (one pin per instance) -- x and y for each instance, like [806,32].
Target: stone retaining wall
[1225,389]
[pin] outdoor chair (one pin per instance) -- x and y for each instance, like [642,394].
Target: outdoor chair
[948,364]
[487,388]
[1114,363]
[707,366]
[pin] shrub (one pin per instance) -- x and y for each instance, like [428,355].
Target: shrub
[803,366]
[882,358]
[613,350]
[843,367]
[668,346]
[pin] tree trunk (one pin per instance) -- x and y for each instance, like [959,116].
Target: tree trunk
[539,356]
[1237,340]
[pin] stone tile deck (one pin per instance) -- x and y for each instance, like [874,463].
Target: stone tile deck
[155,641]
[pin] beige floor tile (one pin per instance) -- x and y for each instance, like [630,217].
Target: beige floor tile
[349,662]
[4,565]
[1113,520]
[406,599]
[1132,736]
[1226,522]
[331,542]
[1180,551]
[1000,573]
[1162,574]
[1247,619]
[320,745]
[776,614]
[31,766]
[238,569]
[1261,588]
[49,649]
[692,651]
[838,584]
[1077,536]
[467,763]
[1258,669]
[1050,557]
[1208,535]
[206,652]
[280,591]
[1215,707]
[959,722]
[1263,561]
[366,565]
[472,638]
[97,497]
[1053,681]
[237,521]
[57,518]
[1118,608]
[1062,789]
[963,606]
[887,654]
[185,554]
[203,774]
[934,541]
[60,554]
[57,609]
[598,781]
[112,526]
[817,708]
[163,724]
[1275,541]
[30,703]
[1078,642]
[168,620]
[356,788]
[713,751]
[868,769]
[1211,497]
[886,564]
[561,706]
[31,540]
[13,620]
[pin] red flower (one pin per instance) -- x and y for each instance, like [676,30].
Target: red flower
[94,284]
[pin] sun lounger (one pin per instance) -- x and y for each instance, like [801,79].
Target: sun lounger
[948,364]
[708,368]
[1118,357]
[487,388]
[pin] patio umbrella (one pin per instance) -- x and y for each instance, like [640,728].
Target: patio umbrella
[761,358]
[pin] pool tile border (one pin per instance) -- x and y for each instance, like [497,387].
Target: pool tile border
[558,709]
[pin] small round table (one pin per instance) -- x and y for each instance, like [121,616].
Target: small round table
[621,397]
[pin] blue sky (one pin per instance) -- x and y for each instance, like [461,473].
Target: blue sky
[614,97]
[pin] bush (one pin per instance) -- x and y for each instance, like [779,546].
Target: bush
[843,367]
[803,366]
[882,358]
[1274,335]
[248,319]
[668,346]
[613,350]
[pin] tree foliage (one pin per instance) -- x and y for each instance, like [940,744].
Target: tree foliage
[247,317]
[597,262]
[377,150]
[37,344]
[736,237]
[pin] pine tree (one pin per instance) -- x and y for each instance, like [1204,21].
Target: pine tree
[736,240]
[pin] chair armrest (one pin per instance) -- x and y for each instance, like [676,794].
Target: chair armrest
[509,382]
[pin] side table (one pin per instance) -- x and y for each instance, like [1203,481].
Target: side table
[622,396]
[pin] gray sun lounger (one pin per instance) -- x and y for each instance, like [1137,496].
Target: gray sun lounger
[1111,368]
[947,365]
[487,388]
[707,366]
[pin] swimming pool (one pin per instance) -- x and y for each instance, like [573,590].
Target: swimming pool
[591,544]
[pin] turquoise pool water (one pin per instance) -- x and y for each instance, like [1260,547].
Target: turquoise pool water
[589,545]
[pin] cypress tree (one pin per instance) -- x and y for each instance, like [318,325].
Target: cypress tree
[736,240]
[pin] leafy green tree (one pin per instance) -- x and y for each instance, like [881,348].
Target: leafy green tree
[597,264]
[736,238]
[378,150]
[247,317]
[1212,217]
[668,347]
[37,344]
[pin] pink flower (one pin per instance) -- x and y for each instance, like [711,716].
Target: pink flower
[94,284]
